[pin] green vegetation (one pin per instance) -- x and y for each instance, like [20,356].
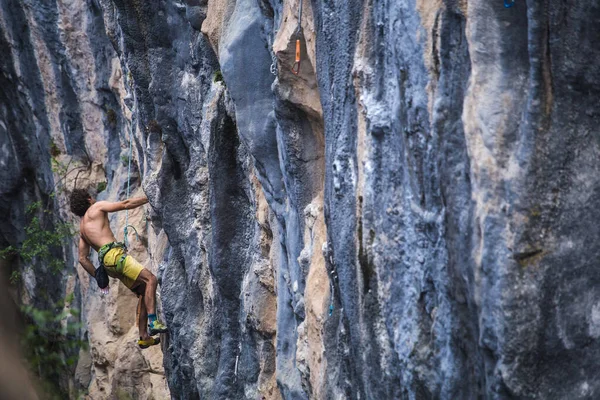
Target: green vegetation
[123,395]
[15,277]
[51,343]
[101,187]
[218,76]
[50,339]
[59,168]
[54,150]
[111,117]
[40,241]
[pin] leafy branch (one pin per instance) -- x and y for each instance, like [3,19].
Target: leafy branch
[51,339]
[40,243]
[51,343]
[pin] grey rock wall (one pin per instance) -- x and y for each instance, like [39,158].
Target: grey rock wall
[412,216]
[61,126]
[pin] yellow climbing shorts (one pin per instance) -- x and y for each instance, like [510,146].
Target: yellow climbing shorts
[130,269]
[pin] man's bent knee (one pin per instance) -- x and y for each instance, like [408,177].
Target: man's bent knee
[147,277]
[139,288]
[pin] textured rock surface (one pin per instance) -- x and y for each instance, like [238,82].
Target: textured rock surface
[61,122]
[412,216]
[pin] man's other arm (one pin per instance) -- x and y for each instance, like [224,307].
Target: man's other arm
[128,204]
[84,253]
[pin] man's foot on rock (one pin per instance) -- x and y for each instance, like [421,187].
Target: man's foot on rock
[145,343]
[157,327]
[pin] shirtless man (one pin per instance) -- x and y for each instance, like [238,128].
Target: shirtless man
[95,232]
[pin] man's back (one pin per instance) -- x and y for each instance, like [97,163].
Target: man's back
[95,227]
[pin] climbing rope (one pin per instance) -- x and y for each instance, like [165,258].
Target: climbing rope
[125,240]
[237,358]
[509,3]
[296,66]
[332,295]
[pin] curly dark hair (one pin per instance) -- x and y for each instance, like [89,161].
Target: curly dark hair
[80,201]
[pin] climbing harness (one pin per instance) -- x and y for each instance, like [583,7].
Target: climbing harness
[296,66]
[101,275]
[509,3]
[108,247]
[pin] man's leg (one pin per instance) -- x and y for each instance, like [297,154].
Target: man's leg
[142,319]
[148,279]
[145,339]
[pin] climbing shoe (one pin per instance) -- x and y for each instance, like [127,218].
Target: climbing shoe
[145,343]
[156,327]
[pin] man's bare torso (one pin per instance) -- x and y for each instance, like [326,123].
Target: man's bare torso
[95,228]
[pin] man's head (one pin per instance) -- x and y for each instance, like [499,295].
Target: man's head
[80,201]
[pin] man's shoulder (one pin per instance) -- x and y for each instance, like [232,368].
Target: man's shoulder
[96,209]
[108,206]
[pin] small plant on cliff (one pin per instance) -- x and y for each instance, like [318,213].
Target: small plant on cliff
[124,160]
[101,187]
[59,168]
[15,277]
[54,150]
[218,76]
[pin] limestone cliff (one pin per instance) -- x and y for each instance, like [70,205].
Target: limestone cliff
[411,216]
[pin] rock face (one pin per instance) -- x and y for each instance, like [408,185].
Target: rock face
[411,216]
[61,126]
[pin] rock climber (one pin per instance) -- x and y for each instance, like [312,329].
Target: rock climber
[95,232]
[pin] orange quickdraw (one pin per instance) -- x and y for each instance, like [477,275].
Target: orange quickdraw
[296,67]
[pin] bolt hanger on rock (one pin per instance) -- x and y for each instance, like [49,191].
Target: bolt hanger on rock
[509,3]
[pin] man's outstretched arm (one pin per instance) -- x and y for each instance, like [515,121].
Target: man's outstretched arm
[128,204]
[84,253]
